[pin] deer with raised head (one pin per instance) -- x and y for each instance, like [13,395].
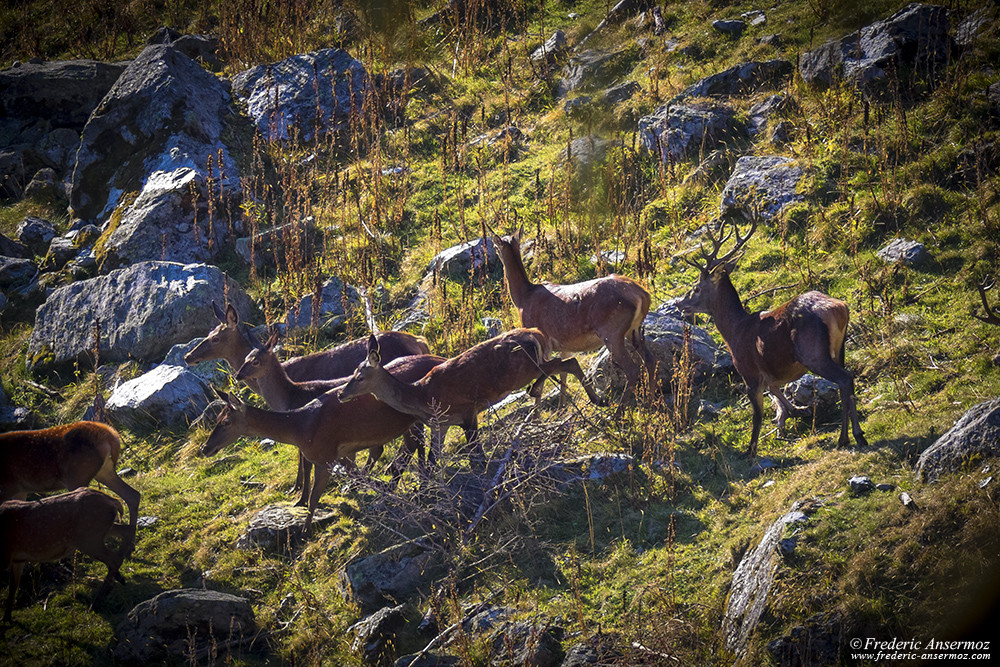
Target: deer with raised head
[456,391]
[53,528]
[64,457]
[326,430]
[772,348]
[230,340]
[581,317]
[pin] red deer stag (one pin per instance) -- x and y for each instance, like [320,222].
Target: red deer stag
[455,392]
[771,349]
[229,341]
[325,430]
[583,316]
[53,528]
[64,457]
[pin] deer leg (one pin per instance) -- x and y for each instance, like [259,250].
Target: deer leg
[786,408]
[322,478]
[756,395]
[477,457]
[621,358]
[825,367]
[303,500]
[109,478]
[299,474]
[572,367]
[112,561]
[13,581]
[374,454]
[638,340]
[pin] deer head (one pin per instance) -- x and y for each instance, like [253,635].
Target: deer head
[712,268]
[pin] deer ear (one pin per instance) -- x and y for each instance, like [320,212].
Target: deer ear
[254,341]
[374,355]
[518,233]
[232,317]
[219,314]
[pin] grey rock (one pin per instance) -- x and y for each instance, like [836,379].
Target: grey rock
[782,133]
[167,396]
[58,150]
[15,249]
[200,48]
[741,79]
[975,436]
[885,488]
[598,650]
[16,273]
[772,179]
[752,581]
[676,132]
[61,251]
[36,234]
[972,25]
[335,301]
[860,485]
[773,39]
[389,577]
[764,110]
[485,618]
[163,114]
[816,643]
[470,260]
[903,251]
[815,393]
[594,468]
[180,624]
[160,223]
[907,501]
[532,644]
[592,70]
[915,36]
[142,310]
[84,236]
[210,372]
[552,50]
[44,187]
[665,340]
[277,528]
[286,98]
[734,27]
[621,92]
[761,466]
[375,636]
[279,247]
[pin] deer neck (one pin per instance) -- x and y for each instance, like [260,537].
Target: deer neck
[289,427]
[276,387]
[410,399]
[517,278]
[727,310]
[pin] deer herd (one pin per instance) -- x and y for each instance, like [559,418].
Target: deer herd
[366,393]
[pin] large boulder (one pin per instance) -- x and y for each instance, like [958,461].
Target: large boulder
[592,70]
[36,234]
[552,50]
[389,577]
[169,221]
[678,131]
[140,311]
[914,37]
[741,79]
[470,260]
[37,97]
[163,114]
[975,436]
[278,528]
[188,625]
[534,644]
[770,179]
[303,94]
[167,396]
[328,309]
[374,637]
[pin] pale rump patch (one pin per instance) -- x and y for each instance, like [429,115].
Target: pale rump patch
[834,314]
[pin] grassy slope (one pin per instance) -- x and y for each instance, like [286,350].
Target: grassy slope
[650,556]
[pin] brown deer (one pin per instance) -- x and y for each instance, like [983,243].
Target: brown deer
[456,391]
[229,341]
[325,430]
[53,528]
[64,457]
[773,348]
[583,316]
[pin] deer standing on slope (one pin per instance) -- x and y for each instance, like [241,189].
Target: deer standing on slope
[456,391]
[53,528]
[583,316]
[64,457]
[229,341]
[325,430]
[772,348]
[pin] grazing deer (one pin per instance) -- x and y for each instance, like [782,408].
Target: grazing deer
[456,391]
[326,430]
[773,348]
[229,341]
[53,528]
[583,316]
[64,457]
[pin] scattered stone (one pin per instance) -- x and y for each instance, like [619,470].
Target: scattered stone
[375,636]
[772,180]
[145,522]
[986,482]
[36,234]
[167,396]
[61,251]
[16,273]
[741,79]
[860,485]
[786,547]
[577,106]
[334,303]
[782,133]
[44,187]
[552,50]
[763,111]
[472,260]
[761,467]
[773,40]
[527,644]
[906,252]
[814,393]
[907,501]
[621,92]
[598,650]
[732,27]
[277,528]
[388,577]
[885,487]
[11,248]
[676,132]
[185,625]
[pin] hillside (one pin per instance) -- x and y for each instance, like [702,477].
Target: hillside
[326,168]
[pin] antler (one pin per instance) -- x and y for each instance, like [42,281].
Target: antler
[712,259]
[992,313]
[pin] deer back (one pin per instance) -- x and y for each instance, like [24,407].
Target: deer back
[341,361]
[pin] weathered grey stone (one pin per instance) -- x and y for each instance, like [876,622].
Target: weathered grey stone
[389,577]
[142,311]
[36,234]
[770,179]
[470,260]
[860,485]
[904,251]
[592,70]
[815,393]
[375,636]
[752,582]
[303,94]
[164,113]
[278,528]
[61,251]
[167,396]
[972,25]
[185,625]
[761,112]
[620,92]
[741,79]
[734,27]
[15,249]
[44,187]
[676,132]
[815,643]
[975,436]
[288,245]
[532,644]
[782,133]
[336,301]
[16,272]
[553,48]
[598,650]
[915,36]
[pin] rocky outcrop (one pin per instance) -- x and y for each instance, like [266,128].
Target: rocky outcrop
[593,70]
[327,310]
[35,234]
[278,528]
[741,79]
[975,436]
[916,37]
[167,397]
[771,181]
[307,93]
[164,113]
[470,260]
[388,577]
[374,637]
[679,131]
[903,251]
[185,625]
[140,311]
